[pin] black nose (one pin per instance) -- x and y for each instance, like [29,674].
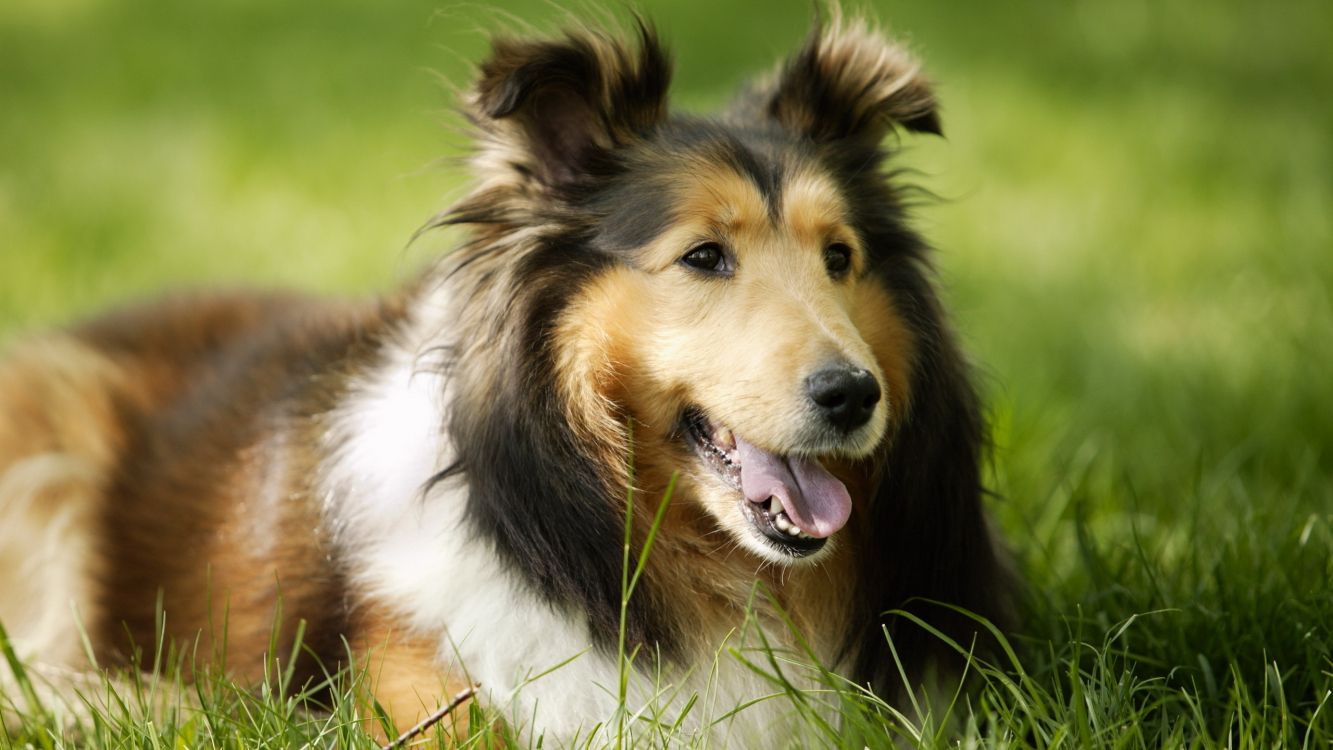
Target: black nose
[844,395]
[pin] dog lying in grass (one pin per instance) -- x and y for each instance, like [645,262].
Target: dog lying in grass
[702,358]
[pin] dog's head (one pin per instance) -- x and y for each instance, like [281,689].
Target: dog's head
[734,293]
[738,299]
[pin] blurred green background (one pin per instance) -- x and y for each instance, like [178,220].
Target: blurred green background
[1136,234]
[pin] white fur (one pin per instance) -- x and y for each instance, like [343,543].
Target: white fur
[417,556]
[46,518]
[46,541]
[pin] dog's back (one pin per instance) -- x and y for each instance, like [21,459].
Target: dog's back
[118,446]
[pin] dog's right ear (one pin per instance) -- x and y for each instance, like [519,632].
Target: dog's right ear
[561,107]
[848,81]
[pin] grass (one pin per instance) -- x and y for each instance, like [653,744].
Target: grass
[1135,237]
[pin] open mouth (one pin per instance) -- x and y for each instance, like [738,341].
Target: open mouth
[792,502]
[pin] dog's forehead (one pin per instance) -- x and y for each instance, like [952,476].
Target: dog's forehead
[725,188]
[799,200]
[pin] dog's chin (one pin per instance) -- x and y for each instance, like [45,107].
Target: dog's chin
[764,526]
[756,529]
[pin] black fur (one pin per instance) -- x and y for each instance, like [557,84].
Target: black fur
[635,207]
[927,519]
[534,490]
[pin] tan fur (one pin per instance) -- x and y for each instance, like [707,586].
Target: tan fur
[743,348]
[59,437]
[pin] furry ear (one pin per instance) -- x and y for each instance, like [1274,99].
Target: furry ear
[561,106]
[849,81]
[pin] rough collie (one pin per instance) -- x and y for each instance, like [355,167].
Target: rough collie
[729,312]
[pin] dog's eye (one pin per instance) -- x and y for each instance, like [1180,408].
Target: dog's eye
[706,257]
[837,259]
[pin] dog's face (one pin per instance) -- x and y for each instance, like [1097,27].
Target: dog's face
[754,291]
[752,339]
[739,312]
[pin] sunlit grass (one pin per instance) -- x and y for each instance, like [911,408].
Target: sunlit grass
[1136,239]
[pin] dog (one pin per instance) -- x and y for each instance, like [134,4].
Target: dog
[712,342]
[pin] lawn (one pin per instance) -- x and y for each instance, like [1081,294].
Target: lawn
[1135,228]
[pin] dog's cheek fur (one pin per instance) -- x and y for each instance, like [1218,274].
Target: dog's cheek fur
[602,343]
[892,341]
[598,344]
[607,366]
[629,345]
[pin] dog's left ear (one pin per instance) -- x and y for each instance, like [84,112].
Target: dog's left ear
[850,82]
[562,107]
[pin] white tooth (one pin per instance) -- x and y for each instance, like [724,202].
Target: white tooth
[772,506]
[724,438]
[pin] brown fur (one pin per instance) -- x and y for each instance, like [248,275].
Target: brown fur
[208,505]
[403,676]
[170,503]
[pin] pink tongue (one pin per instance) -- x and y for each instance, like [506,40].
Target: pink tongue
[814,499]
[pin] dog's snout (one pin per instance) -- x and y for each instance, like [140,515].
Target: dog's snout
[844,395]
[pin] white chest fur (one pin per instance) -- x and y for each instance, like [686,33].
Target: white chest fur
[414,553]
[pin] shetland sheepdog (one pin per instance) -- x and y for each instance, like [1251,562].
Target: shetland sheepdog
[719,334]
